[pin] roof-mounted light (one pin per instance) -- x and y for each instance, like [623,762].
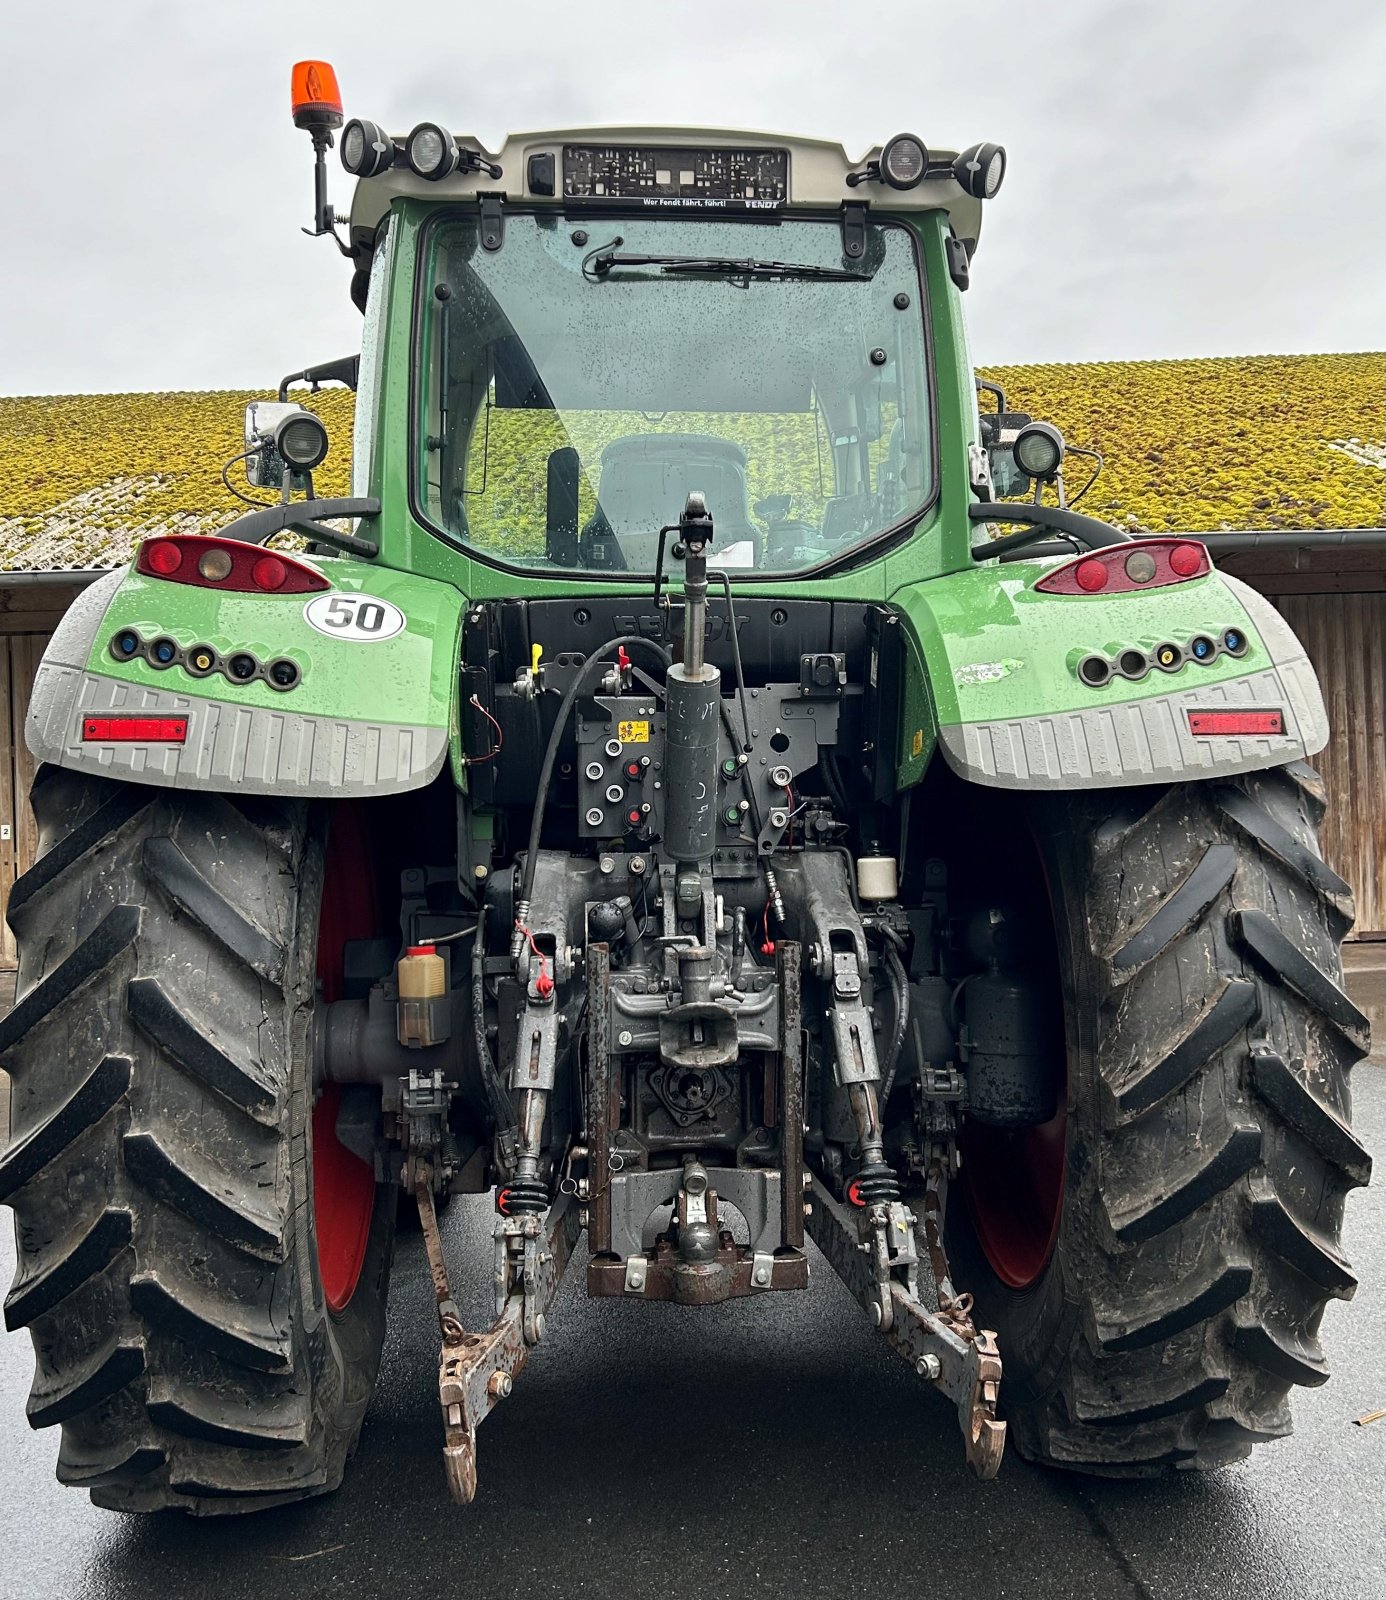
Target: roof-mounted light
[367,150]
[980,169]
[431,151]
[904,161]
[316,99]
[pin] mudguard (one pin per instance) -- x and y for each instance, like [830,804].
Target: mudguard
[1005,705]
[372,711]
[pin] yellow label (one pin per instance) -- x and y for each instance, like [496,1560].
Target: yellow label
[917,743]
[633,732]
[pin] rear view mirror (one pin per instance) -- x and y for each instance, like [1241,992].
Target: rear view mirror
[1000,430]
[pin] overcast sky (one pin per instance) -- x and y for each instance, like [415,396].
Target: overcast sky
[1187,177]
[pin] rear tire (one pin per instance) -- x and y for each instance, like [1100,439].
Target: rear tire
[1208,1151]
[160,1162]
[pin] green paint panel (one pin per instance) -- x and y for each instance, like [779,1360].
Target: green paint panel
[407,679]
[994,647]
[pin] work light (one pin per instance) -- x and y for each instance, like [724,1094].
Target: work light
[431,151]
[1038,450]
[301,441]
[980,169]
[367,150]
[904,161]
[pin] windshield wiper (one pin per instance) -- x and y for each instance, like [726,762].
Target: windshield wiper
[601,263]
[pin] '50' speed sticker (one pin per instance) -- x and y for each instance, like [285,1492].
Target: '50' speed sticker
[359,617]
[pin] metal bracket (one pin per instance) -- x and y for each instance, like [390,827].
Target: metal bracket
[492,222]
[942,1347]
[854,230]
[477,1371]
[762,1271]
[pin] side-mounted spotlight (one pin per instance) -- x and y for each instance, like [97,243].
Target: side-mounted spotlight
[979,170]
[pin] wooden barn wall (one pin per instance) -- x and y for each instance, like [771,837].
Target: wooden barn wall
[1345,635]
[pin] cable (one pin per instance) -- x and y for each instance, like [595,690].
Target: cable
[546,767]
[250,500]
[476,761]
[721,572]
[1079,450]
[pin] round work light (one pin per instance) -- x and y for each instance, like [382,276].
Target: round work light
[980,169]
[431,151]
[904,161]
[1038,450]
[301,441]
[367,150]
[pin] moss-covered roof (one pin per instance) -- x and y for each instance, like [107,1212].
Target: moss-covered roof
[1255,442]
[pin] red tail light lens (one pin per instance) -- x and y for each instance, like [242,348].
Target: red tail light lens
[211,563]
[135,730]
[1122,568]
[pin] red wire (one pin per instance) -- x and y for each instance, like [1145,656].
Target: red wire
[476,761]
[543,959]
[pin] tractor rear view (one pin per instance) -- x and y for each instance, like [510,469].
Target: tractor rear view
[672,796]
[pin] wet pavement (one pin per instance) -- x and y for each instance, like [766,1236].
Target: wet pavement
[767,1447]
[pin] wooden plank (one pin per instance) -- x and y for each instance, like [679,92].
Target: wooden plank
[20,603]
[8,829]
[1345,638]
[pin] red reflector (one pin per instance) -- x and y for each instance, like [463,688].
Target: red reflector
[163,556]
[1186,559]
[1091,576]
[1235,722]
[269,572]
[135,730]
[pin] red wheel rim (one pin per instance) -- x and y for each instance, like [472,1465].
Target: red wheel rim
[1015,1194]
[343,1184]
[1014,1179]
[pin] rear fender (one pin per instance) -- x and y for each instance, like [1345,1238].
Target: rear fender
[373,712]
[1001,663]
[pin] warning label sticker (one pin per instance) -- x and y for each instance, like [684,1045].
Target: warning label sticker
[633,732]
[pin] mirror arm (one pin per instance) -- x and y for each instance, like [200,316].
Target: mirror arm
[345,370]
[306,516]
[1085,531]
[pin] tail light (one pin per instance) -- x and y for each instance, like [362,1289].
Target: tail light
[211,563]
[1142,564]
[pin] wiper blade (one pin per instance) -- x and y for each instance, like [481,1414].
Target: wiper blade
[601,264]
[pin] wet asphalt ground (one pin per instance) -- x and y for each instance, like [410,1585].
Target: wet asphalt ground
[770,1447]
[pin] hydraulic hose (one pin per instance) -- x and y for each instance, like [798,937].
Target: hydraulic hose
[546,767]
[900,986]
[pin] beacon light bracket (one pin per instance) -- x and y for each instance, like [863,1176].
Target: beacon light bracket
[317,108]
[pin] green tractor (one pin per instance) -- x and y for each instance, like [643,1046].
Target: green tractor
[674,796]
